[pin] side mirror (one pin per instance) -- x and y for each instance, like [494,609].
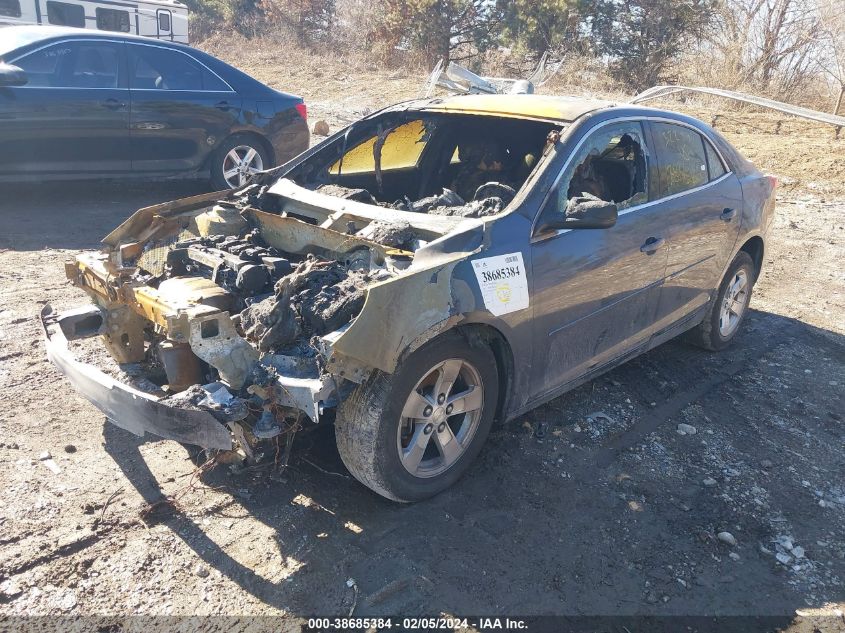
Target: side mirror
[585,212]
[12,76]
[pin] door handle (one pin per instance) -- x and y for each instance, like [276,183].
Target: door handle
[652,244]
[113,104]
[728,214]
[222,105]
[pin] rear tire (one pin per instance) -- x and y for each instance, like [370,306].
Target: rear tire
[401,438]
[237,158]
[727,310]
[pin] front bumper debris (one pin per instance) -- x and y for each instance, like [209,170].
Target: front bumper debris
[125,406]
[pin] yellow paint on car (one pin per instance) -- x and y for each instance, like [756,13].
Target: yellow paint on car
[546,107]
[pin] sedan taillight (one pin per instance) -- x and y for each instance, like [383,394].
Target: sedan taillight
[303,111]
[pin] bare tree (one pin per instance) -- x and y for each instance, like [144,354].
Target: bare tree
[769,44]
[831,54]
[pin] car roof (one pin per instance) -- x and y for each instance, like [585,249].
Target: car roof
[43,32]
[519,106]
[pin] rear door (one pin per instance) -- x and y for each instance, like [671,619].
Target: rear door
[595,291]
[72,116]
[701,206]
[180,109]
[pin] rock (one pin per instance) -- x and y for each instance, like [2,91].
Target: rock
[726,537]
[798,552]
[52,466]
[68,601]
[734,556]
[709,482]
[785,542]
[45,456]
[70,448]
[686,429]
[201,571]
[10,588]
[321,128]
[783,558]
[766,463]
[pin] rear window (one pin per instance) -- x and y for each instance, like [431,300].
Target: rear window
[157,68]
[65,14]
[10,8]
[112,20]
[402,148]
[714,163]
[682,161]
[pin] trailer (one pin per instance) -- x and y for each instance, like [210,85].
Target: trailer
[161,19]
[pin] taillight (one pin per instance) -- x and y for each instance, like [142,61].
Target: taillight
[303,111]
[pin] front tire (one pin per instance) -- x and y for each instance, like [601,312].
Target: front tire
[412,434]
[727,310]
[236,160]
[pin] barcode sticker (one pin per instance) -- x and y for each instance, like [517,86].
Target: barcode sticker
[503,283]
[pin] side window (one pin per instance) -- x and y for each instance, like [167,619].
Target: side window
[154,68]
[42,67]
[65,14]
[164,21]
[112,20]
[402,148]
[10,8]
[72,65]
[611,165]
[680,152]
[95,66]
[714,163]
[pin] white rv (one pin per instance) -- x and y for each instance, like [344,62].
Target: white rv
[163,19]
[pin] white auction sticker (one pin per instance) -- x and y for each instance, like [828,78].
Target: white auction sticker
[503,283]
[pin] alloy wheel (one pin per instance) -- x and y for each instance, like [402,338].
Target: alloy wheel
[440,418]
[733,304]
[239,164]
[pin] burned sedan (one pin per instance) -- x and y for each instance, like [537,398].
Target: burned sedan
[434,267]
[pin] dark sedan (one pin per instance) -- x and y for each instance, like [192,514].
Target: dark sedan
[77,104]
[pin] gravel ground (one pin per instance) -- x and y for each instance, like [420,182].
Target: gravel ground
[592,504]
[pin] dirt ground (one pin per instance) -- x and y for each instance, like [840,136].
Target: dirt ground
[565,511]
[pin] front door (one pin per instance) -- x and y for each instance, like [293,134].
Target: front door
[72,116]
[595,291]
[701,206]
[180,109]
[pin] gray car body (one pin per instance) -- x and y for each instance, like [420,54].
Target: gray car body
[596,300]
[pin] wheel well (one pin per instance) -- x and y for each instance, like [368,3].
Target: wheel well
[487,336]
[754,247]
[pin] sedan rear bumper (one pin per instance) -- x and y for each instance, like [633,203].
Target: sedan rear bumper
[127,407]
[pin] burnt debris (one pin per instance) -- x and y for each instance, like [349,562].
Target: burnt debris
[318,297]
